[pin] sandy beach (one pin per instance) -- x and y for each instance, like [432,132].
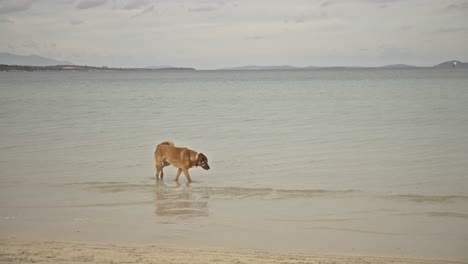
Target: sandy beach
[12,251]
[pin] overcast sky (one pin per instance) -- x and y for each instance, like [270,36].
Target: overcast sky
[208,34]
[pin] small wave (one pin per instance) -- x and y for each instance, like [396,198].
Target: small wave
[267,193]
[222,192]
[312,220]
[110,204]
[355,231]
[448,214]
[239,192]
[430,198]
[115,186]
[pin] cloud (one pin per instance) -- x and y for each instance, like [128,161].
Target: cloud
[208,6]
[31,44]
[147,10]
[395,54]
[406,28]
[87,4]
[382,1]
[6,21]
[452,30]
[255,37]
[203,9]
[326,4]
[379,3]
[11,6]
[304,18]
[458,6]
[76,22]
[136,4]
[11,48]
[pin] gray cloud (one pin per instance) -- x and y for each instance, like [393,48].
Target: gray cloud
[136,4]
[11,48]
[378,3]
[87,4]
[255,37]
[457,6]
[406,28]
[76,22]
[208,6]
[147,10]
[396,54]
[310,17]
[6,21]
[326,4]
[11,6]
[30,44]
[381,3]
[452,30]
[203,9]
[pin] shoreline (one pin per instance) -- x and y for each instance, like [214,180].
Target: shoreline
[31,251]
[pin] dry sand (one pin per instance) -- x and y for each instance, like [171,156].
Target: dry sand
[12,251]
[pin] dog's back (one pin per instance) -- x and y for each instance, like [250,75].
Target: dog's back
[161,149]
[170,143]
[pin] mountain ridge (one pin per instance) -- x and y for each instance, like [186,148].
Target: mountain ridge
[29,60]
[14,62]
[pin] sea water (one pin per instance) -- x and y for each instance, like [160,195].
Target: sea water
[355,161]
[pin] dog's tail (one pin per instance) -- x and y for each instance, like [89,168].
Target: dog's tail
[170,143]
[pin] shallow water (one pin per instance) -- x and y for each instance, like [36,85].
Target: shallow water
[337,161]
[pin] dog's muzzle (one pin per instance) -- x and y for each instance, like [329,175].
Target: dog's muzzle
[206,167]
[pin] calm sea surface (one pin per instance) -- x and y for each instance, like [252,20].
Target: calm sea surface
[331,161]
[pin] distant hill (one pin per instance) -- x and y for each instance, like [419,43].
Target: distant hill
[9,68]
[393,66]
[160,67]
[14,62]
[167,67]
[31,60]
[449,64]
[255,67]
[288,67]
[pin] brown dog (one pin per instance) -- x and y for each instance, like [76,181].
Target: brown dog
[183,158]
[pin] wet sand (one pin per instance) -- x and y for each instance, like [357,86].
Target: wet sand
[12,251]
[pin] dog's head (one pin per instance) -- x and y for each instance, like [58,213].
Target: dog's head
[202,161]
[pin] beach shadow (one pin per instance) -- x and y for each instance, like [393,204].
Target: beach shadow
[175,200]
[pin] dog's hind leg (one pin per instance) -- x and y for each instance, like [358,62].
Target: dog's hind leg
[178,174]
[165,163]
[158,170]
[158,164]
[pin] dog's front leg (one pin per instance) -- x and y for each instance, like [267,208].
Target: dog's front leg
[187,175]
[178,174]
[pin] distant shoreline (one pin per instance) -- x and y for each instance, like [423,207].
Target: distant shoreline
[72,68]
[77,68]
[30,68]
[14,62]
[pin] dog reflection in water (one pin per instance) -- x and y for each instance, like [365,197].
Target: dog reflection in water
[182,158]
[179,201]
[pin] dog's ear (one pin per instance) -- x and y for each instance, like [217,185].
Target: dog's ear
[202,157]
[203,161]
